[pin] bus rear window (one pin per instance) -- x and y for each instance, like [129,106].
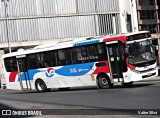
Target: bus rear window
[10,64]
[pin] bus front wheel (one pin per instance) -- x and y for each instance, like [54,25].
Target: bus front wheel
[104,82]
[41,86]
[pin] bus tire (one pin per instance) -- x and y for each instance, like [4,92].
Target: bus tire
[104,82]
[128,84]
[41,86]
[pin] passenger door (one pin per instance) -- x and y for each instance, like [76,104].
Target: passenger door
[116,59]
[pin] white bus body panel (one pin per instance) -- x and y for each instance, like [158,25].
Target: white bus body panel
[137,74]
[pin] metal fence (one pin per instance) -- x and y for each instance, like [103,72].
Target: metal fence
[21,8]
[52,19]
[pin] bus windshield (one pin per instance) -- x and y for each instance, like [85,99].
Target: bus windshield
[141,52]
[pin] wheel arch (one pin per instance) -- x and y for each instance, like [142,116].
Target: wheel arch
[40,80]
[44,85]
[37,80]
[102,74]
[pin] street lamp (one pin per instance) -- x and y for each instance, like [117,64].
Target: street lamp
[6,23]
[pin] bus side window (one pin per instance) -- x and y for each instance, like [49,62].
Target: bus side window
[80,55]
[102,54]
[39,60]
[52,59]
[63,57]
[92,53]
[45,64]
[33,61]
[10,64]
[68,56]
[73,55]
[48,59]
[76,55]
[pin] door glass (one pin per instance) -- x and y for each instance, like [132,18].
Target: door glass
[23,74]
[115,60]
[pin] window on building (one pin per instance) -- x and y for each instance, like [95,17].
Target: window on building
[147,14]
[129,23]
[143,15]
[158,2]
[141,2]
[151,28]
[150,14]
[151,2]
[105,24]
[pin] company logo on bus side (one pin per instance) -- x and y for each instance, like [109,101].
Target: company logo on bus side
[50,72]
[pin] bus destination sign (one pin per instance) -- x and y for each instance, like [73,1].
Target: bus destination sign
[138,36]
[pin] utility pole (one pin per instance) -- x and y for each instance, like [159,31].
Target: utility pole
[6,22]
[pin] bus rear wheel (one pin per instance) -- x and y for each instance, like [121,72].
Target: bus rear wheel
[127,84]
[41,86]
[104,82]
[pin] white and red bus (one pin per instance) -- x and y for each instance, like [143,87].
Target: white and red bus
[98,62]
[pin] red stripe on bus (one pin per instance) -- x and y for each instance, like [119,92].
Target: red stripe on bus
[104,69]
[130,66]
[12,76]
[115,38]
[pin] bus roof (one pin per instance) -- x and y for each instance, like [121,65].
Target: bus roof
[72,43]
[134,33]
[55,46]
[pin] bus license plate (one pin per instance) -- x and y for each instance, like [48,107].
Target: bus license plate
[149,74]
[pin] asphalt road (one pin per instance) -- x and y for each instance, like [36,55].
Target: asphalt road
[141,96]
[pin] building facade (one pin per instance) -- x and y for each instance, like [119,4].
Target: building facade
[148,15]
[27,23]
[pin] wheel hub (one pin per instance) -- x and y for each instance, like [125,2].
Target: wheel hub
[40,86]
[104,81]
